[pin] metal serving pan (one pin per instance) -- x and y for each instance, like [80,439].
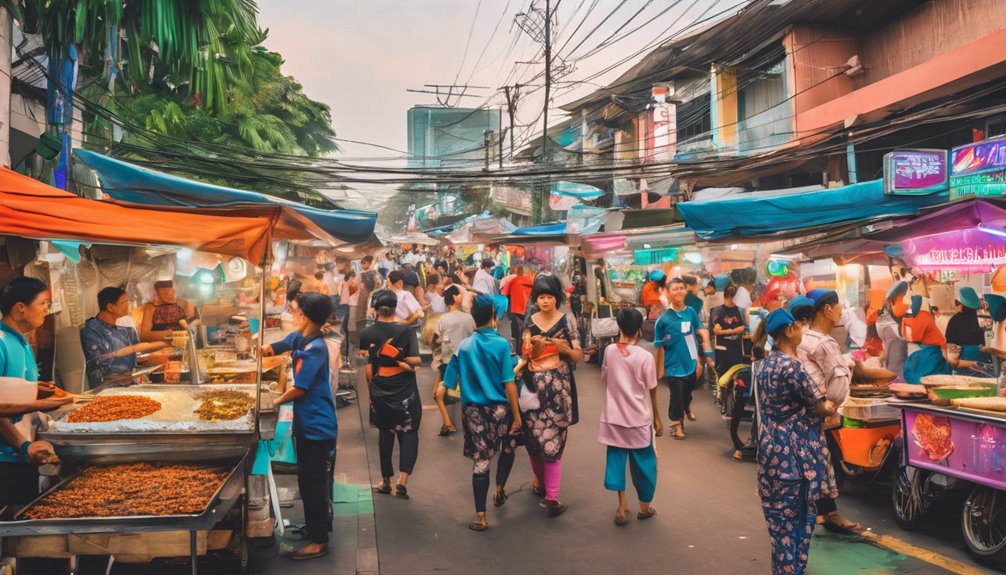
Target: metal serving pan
[216,509]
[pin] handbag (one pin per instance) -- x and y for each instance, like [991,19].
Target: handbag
[602,327]
[528,400]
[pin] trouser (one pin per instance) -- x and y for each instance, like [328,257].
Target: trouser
[480,484]
[315,481]
[790,520]
[681,396]
[549,473]
[828,505]
[642,469]
[408,451]
[516,328]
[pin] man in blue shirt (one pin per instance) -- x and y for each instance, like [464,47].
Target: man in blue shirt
[110,349]
[676,337]
[24,304]
[484,370]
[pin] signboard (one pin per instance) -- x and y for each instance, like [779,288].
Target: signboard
[915,172]
[978,169]
[963,251]
[961,447]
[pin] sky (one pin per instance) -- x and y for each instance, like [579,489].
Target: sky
[360,56]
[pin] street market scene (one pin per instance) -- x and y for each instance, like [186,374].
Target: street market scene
[508,286]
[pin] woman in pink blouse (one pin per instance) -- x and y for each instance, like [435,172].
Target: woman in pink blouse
[629,417]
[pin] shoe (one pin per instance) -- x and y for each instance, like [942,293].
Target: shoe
[499,498]
[401,491]
[446,430]
[691,416]
[555,508]
[649,513]
[310,551]
[383,489]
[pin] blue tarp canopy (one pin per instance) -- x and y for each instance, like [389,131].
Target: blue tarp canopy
[553,229]
[137,185]
[738,216]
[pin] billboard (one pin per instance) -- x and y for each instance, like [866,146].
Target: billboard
[978,169]
[915,172]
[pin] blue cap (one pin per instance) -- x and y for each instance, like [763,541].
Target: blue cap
[969,298]
[777,321]
[899,289]
[721,281]
[656,275]
[799,301]
[997,306]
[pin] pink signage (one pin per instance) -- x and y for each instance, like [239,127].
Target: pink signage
[974,250]
[908,172]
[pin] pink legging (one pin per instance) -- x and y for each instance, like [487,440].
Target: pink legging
[549,473]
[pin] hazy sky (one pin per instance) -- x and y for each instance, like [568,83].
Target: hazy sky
[360,56]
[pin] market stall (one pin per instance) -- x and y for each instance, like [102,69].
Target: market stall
[205,429]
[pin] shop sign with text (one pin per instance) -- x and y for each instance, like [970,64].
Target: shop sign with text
[915,172]
[978,169]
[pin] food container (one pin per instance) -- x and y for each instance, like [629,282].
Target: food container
[962,391]
[179,339]
[173,373]
[867,446]
[17,390]
[869,410]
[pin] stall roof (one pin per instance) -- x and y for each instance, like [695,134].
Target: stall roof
[727,218]
[551,229]
[134,184]
[986,213]
[31,209]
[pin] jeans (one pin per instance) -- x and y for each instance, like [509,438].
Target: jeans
[314,479]
[681,396]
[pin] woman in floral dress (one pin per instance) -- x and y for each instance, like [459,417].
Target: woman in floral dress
[550,345]
[793,469]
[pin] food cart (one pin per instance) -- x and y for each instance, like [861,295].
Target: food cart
[950,448]
[188,438]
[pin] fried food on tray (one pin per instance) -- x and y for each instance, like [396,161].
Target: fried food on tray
[114,408]
[223,405]
[932,434]
[130,490]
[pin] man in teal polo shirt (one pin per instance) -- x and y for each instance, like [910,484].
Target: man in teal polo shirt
[490,411]
[24,305]
[677,336]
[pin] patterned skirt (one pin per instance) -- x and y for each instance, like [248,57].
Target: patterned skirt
[545,427]
[486,429]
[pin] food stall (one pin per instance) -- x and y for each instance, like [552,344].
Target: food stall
[182,452]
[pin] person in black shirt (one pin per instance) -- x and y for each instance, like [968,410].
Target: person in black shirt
[964,330]
[726,322]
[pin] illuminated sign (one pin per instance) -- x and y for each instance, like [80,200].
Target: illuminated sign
[978,169]
[915,172]
[973,250]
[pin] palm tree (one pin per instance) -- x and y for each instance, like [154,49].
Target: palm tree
[203,45]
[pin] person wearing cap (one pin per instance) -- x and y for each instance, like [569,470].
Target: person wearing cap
[652,290]
[964,330]
[167,313]
[395,406]
[452,328]
[889,329]
[629,416]
[919,328]
[484,372]
[484,281]
[110,349]
[822,359]
[793,454]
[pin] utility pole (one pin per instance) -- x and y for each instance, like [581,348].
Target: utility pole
[511,109]
[543,203]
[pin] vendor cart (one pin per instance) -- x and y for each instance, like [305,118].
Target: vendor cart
[948,448]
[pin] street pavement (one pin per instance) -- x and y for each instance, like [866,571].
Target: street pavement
[709,518]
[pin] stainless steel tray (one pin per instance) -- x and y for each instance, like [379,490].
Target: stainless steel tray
[219,505]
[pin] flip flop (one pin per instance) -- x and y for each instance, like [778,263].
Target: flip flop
[446,430]
[500,498]
[383,489]
[478,526]
[649,513]
[847,528]
[401,491]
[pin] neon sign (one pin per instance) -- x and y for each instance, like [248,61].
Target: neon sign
[979,169]
[911,172]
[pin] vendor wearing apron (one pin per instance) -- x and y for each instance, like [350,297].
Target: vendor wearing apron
[24,303]
[166,313]
[965,331]
[919,328]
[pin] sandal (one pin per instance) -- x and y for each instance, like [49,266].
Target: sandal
[500,498]
[677,431]
[478,526]
[738,456]
[649,513]
[837,524]
[446,430]
[401,491]
[555,508]
[383,489]
[621,518]
[691,416]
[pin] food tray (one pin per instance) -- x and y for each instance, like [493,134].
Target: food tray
[216,509]
[869,410]
[177,413]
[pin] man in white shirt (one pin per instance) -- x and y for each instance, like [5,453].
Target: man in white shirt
[408,311]
[484,281]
